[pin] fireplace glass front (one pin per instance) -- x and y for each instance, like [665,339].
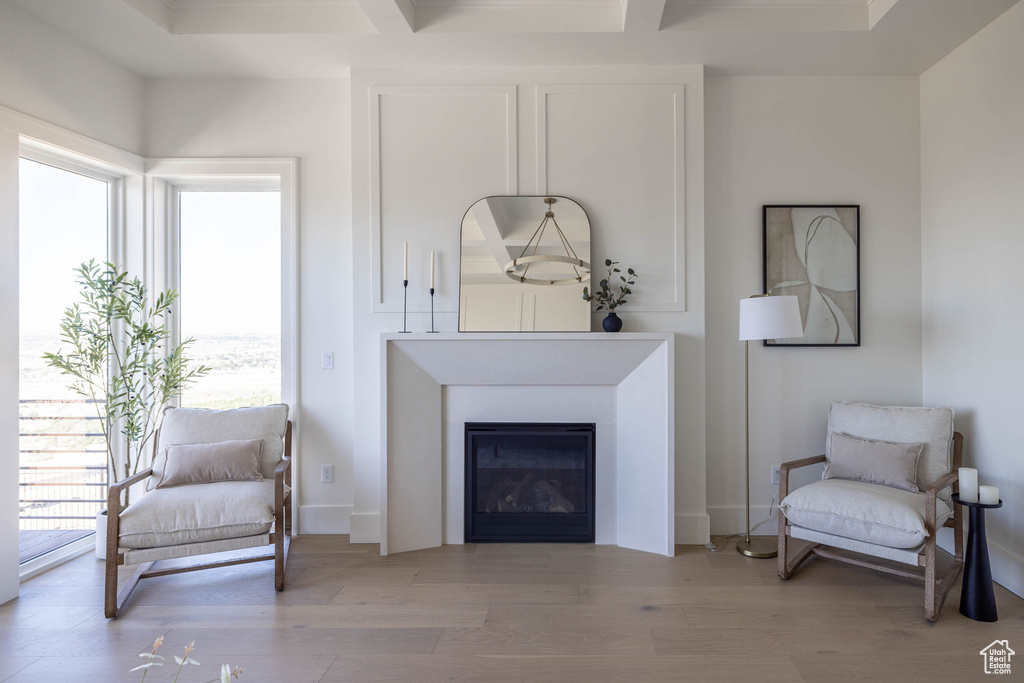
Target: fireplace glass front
[529,482]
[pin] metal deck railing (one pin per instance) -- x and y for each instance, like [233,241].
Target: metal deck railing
[63,471]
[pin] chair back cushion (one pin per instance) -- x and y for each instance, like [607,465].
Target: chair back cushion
[898,424]
[199,425]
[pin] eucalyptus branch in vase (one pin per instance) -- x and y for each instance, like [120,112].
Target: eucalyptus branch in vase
[611,296]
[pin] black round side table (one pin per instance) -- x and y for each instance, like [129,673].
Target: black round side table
[977,597]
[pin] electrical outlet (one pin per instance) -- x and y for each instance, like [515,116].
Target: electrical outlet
[327,360]
[326,474]
[775,475]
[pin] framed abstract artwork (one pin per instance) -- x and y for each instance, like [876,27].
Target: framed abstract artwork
[813,252]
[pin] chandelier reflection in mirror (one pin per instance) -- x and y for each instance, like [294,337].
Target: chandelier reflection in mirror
[518,269]
[523,269]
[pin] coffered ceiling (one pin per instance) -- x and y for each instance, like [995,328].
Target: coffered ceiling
[323,38]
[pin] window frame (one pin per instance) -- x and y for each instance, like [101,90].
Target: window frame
[166,180]
[116,252]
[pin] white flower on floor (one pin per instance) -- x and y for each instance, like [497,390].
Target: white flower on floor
[226,672]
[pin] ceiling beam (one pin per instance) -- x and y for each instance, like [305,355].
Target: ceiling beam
[390,17]
[642,16]
[491,227]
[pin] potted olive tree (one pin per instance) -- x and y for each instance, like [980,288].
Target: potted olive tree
[119,354]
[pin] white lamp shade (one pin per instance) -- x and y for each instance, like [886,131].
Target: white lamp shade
[770,317]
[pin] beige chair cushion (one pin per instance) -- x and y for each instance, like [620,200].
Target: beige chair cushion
[194,514]
[881,515]
[876,462]
[204,463]
[931,426]
[198,425]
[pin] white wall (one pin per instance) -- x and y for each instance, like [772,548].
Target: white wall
[308,119]
[47,75]
[9,372]
[625,142]
[972,204]
[806,141]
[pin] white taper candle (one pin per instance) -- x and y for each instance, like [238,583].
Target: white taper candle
[969,484]
[431,268]
[405,261]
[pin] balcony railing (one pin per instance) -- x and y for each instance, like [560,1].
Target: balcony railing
[63,472]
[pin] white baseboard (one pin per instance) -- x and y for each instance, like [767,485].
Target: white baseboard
[1007,568]
[693,529]
[324,519]
[732,519]
[364,527]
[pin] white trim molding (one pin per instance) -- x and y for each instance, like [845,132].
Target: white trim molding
[326,519]
[377,93]
[167,177]
[676,302]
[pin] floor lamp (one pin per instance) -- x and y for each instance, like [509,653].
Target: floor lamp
[763,316]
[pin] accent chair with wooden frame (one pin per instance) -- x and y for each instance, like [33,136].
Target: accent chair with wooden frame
[201,518]
[855,521]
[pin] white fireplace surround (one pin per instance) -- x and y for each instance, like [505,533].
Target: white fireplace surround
[431,384]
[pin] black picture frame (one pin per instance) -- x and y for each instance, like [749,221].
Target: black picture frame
[824,275]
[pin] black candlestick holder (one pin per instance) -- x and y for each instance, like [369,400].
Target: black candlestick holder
[405,306]
[432,330]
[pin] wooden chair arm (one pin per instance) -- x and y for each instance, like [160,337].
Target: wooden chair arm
[794,464]
[114,515]
[114,491]
[282,467]
[784,470]
[931,493]
[281,475]
[943,482]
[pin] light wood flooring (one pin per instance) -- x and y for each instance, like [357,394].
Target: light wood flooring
[502,613]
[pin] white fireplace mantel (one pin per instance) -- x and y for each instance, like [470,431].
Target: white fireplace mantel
[636,372]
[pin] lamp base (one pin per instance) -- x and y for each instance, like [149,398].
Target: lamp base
[758,547]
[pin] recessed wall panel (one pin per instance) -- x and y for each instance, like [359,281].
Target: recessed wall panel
[619,151]
[434,151]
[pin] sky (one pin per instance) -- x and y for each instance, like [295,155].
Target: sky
[63,222]
[230,263]
[230,253]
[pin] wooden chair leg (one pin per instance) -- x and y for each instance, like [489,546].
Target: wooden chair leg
[279,562]
[280,545]
[110,609]
[115,599]
[783,548]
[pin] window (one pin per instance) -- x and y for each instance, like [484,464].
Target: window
[64,219]
[229,246]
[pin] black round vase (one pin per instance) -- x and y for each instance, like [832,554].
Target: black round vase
[612,323]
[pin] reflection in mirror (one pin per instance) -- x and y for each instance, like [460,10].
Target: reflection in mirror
[525,262]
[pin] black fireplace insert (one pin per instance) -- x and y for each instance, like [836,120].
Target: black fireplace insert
[529,482]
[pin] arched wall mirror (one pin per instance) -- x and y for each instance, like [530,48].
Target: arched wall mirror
[525,262]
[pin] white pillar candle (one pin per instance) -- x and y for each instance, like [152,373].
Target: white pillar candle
[431,268]
[405,261]
[968,484]
[988,495]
